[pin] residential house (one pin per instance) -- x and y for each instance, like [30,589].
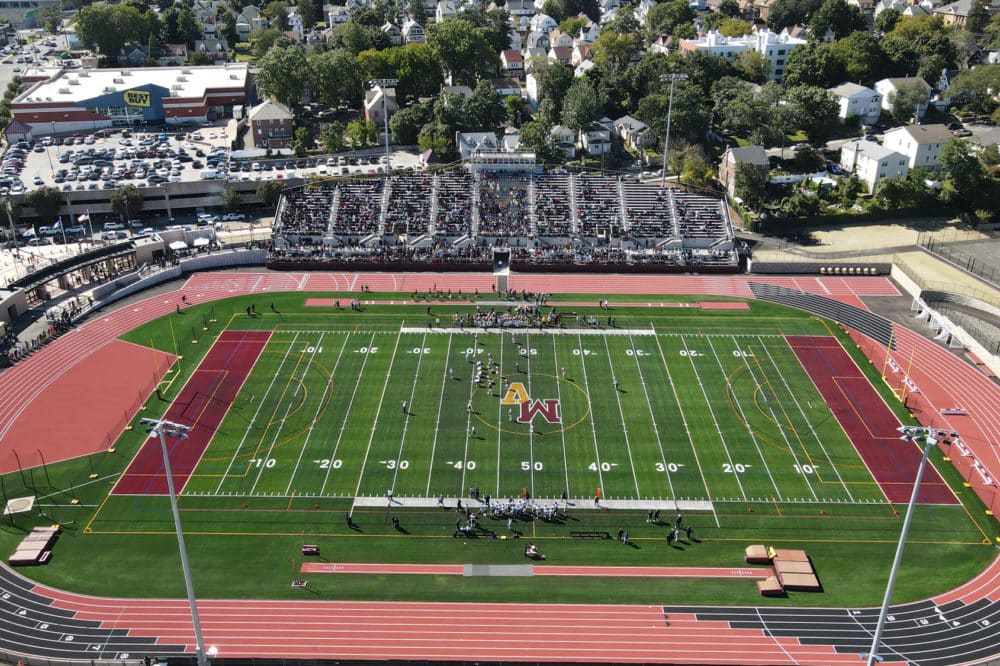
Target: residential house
[512,63]
[449,91]
[889,87]
[511,141]
[774,47]
[954,14]
[470,143]
[642,10]
[904,8]
[633,132]
[921,144]
[609,5]
[866,7]
[597,139]
[559,38]
[393,32]
[271,125]
[733,157]
[990,137]
[583,68]
[507,86]
[561,54]
[542,23]
[133,55]
[249,20]
[565,140]
[858,102]
[413,32]
[520,12]
[531,90]
[589,33]
[445,10]
[295,23]
[173,55]
[338,15]
[872,163]
[516,40]
[379,103]
[537,40]
[215,48]
[580,53]
[665,44]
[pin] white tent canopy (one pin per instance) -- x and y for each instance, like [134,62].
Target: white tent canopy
[201,242]
[178,245]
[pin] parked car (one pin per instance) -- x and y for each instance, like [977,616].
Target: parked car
[113,226]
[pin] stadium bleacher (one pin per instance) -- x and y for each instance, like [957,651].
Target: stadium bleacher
[455,218]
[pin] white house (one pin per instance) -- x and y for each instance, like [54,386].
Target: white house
[873,163]
[470,143]
[597,139]
[537,40]
[378,107]
[295,22]
[889,87]
[582,69]
[393,32]
[520,11]
[921,144]
[542,23]
[512,63]
[565,139]
[531,92]
[338,15]
[559,38]
[633,132]
[413,32]
[445,10]
[858,101]
[773,46]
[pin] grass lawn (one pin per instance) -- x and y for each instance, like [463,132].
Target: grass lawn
[710,411]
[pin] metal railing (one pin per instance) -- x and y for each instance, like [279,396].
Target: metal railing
[940,245]
[985,295]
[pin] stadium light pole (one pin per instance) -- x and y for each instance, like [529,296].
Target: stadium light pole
[381,85]
[673,78]
[910,433]
[162,428]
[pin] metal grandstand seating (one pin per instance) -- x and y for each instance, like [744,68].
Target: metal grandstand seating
[876,327]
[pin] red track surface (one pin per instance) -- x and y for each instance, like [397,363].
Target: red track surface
[868,421]
[201,404]
[610,633]
[86,410]
[538,570]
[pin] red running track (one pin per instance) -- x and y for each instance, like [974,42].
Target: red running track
[868,421]
[202,404]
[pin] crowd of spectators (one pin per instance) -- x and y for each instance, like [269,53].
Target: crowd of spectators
[457,217]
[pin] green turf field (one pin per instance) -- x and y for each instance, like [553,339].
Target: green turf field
[709,411]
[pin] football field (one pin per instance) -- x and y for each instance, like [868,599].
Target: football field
[631,413]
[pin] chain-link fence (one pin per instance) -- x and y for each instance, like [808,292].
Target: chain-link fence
[948,246]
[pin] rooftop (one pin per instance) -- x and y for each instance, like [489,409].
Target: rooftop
[186,82]
[936,133]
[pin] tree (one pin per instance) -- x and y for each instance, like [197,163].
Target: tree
[536,137]
[335,76]
[232,199]
[974,88]
[93,28]
[483,110]
[46,201]
[300,141]
[836,16]
[50,18]
[815,111]
[730,8]
[664,18]
[689,118]
[732,27]
[815,65]
[977,18]
[309,12]
[332,136]
[512,105]
[753,66]
[229,29]
[696,169]
[126,201]
[263,40]
[750,184]
[862,57]
[463,50]
[581,107]
[188,28]
[438,137]
[784,13]
[357,134]
[612,51]
[572,25]
[967,183]
[282,73]
[903,102]
[553,82]
[703,68]
[269,191]
[407,123]
[277,14]
[199,58]
[886,20]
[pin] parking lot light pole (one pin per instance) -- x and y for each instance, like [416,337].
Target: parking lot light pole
[162,428]
[910,433]
[673,78]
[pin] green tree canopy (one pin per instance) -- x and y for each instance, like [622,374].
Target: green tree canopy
[46,201]
[335,76]
[814,64]
[463,50]
[838,17]
[126,201]
[282,73]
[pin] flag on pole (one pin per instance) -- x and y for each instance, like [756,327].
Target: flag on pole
[58,224]
[28,233]
[83,218]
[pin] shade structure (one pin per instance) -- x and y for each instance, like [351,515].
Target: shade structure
[201,242]
[178,245]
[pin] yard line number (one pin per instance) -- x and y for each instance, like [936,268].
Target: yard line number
[668,467]
[327,463]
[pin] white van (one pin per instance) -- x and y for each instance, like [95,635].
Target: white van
[209,174]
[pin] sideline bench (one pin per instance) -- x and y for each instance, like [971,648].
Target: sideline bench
[474,534]
[310,549]
[589,534]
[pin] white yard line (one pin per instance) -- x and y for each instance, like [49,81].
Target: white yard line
[687,431]
[437,421]
[746,424]
[406,417]
[346,419]
[618,398]
[250,423]
[593,426]
[378,411]
[762,389]
[652,418]
[711,411]
[277,431]
[531,426]
[319,406]
[562,431]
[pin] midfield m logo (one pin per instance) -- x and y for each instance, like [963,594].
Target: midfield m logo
[518,395]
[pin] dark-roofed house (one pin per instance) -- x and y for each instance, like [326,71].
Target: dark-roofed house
[470,143]
[271,125]
[735,156]
[633,132]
